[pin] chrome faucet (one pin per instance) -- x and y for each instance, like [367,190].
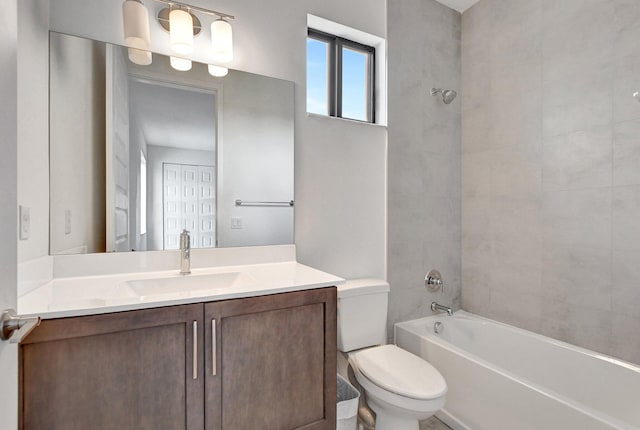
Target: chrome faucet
[437,307]
[185,253]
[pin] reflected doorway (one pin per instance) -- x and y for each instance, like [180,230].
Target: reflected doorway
[189,203]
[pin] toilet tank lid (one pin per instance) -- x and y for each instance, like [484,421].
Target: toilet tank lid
[358,287]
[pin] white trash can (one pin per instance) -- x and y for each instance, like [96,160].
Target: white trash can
[347,406]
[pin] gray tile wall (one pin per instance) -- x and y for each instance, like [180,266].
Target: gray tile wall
[551,168]
[424,156]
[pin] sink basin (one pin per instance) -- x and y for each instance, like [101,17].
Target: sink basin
[186,283]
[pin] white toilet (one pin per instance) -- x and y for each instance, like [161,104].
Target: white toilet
[400,387]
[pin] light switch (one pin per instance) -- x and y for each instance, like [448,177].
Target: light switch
[25,222]
[236,222]
[67,221]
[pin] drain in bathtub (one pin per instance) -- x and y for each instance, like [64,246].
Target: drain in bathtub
[438,327]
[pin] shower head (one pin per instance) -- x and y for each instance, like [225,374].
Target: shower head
[447,95]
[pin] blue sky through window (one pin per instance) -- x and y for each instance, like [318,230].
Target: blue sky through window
[354,84]
[354,80]
[317,77]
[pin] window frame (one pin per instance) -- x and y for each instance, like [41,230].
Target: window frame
[334,72]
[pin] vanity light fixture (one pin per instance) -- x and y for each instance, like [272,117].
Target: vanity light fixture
[182,24]
[181,64]
[218,71]
[137,36]
[182,38]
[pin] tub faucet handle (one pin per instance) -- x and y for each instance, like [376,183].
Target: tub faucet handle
[433,281]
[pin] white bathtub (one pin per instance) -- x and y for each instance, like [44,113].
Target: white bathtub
[501,377]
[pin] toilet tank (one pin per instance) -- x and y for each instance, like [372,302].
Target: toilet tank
[362,313]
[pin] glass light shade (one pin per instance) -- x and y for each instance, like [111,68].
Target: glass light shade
[139,56]
[218,71]
[136,31]
[181,64]
[181,31]
[222,41]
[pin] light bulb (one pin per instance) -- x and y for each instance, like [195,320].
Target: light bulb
[136,31]
[218,71]
[181,31]
[181,64]
[222,41]
[138,56]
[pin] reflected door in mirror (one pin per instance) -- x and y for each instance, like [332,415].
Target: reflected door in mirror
[189,203]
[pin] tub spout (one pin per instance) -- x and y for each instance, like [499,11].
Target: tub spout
[437,307]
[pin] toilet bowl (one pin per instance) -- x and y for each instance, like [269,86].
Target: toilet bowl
[400,387]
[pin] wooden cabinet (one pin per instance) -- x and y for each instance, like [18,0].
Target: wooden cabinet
[265,362]
[128,370]
[277,356]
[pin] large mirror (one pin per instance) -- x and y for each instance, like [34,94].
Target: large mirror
[139,153]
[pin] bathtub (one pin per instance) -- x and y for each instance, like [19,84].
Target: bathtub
[504,378]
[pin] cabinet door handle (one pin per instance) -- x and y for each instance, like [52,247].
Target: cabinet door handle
[195,350]
[214,359]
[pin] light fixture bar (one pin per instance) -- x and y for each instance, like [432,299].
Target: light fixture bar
[163,19]
[197,9]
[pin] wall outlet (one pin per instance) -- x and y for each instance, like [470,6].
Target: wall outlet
[25,222]
[67,221]
[236,222]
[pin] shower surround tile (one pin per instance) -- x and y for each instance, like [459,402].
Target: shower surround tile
[625,294]
[626,218]
[626,153]
[577,100]
[625,338]
[424,159]
[550,168]
[578,218]
[626,83]
[579,276]
[578,160]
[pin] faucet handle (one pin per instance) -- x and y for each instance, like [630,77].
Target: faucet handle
[433,281]
[185,239]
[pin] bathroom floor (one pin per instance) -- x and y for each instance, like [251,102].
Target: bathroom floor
[433,424]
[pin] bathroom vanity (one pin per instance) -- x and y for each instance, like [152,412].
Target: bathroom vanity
[248,339]
[260,360]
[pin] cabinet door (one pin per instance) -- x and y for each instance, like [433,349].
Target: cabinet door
[128,370]
[275,362]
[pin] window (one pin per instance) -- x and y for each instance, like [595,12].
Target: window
[340,77]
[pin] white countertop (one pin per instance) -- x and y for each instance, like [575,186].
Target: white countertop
[89,295]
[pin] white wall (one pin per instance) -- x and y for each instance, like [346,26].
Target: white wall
[340,166]
[8,213]
[78,136]
[33,124]
[256,160]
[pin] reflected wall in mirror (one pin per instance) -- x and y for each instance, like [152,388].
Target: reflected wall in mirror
[139,153]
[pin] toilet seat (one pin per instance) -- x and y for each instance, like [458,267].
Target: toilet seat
[400,372]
